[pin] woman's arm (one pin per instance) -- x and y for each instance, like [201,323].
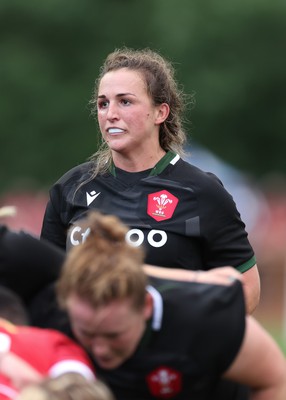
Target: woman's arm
[220,276]
[251,287]
[20,372]
[260,364]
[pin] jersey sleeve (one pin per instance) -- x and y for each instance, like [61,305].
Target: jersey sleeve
[27,264]
[60,208]
[53,229]
[50,352]
[224,235]
[68,356]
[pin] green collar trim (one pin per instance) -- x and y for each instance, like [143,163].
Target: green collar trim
[159,167]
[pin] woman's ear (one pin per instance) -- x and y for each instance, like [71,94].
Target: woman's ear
[163,111]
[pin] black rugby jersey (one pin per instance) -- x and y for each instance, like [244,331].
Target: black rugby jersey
[182,216]
[27,265]
[184,350]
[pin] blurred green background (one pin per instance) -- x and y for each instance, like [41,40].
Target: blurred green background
[230,54]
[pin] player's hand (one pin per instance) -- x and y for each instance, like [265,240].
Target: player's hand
[220,276]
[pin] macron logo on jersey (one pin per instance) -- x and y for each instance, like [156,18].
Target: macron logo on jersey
[91,196]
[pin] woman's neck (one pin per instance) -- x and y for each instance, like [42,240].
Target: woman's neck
[137,164]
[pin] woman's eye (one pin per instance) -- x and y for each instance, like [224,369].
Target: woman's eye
[102,104]
[125,102]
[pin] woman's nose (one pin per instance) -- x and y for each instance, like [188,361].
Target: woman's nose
[112,112]
[100,348]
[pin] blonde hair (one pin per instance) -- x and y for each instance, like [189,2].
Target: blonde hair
[105,267]
[159,76]
[69,386]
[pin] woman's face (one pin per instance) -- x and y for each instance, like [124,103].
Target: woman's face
[110,332]
[127,117]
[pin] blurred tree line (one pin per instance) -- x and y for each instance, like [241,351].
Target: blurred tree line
[229,54]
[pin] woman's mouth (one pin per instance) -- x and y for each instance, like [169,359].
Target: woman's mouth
[114,131]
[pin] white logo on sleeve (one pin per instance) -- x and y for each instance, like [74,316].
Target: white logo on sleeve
[91,196]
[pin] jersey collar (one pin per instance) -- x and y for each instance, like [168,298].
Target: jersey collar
[157,307]
[155,322]
[169,158]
